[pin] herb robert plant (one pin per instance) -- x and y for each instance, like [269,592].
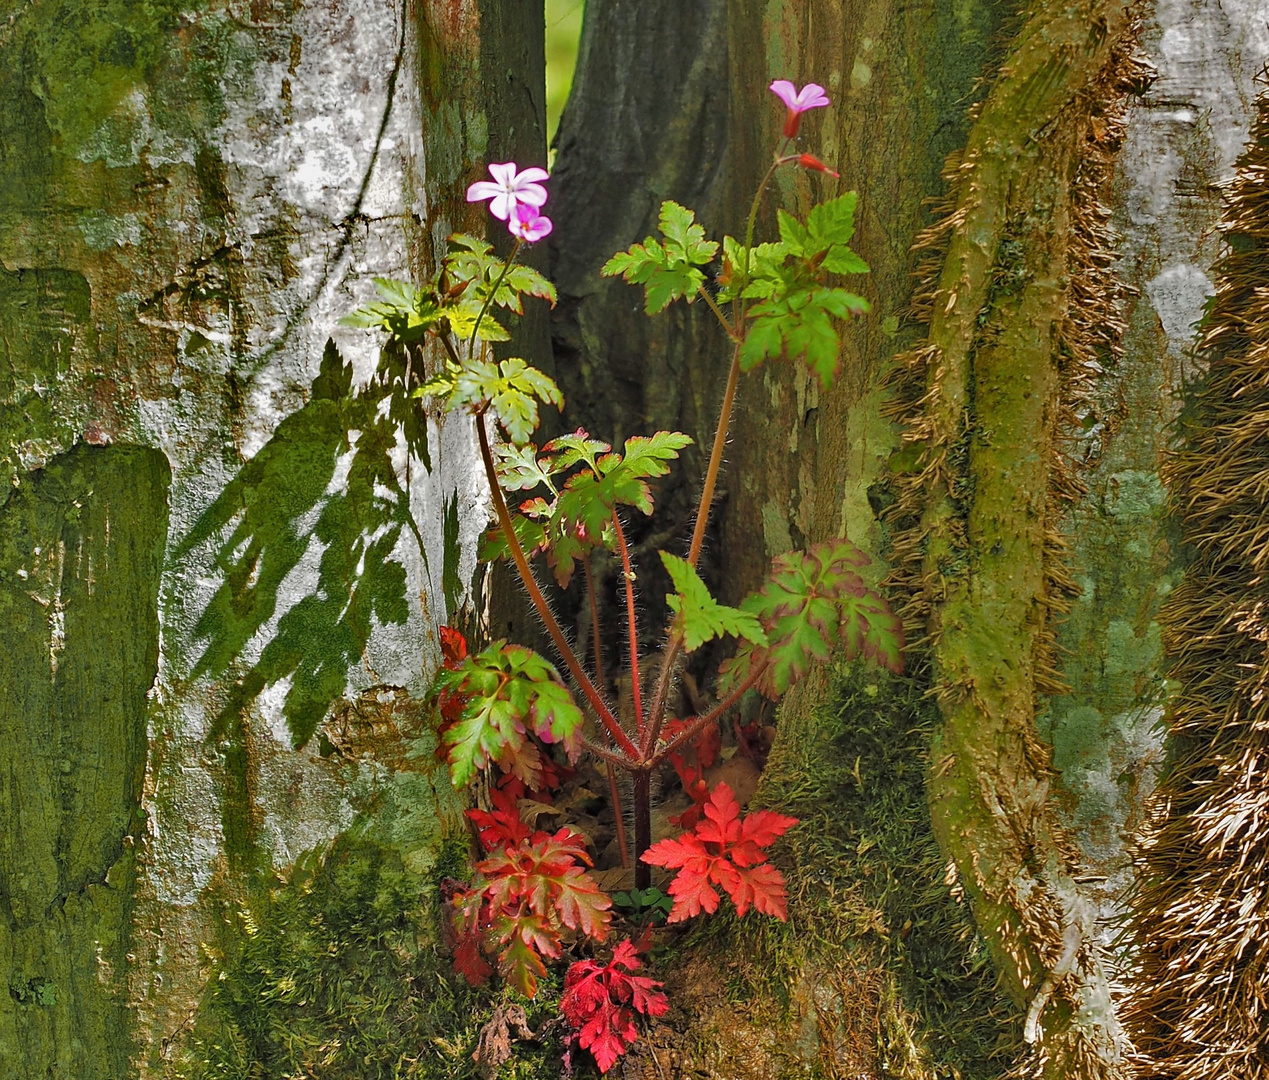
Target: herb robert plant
[780,300]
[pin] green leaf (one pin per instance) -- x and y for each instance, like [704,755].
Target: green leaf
[832,222]
[472,262]
[814,601]
[667,269]
[799,326]
[702,617]
[793,234]
[510,689]
[518,468]
[404,311]
[511,389]
[462,320]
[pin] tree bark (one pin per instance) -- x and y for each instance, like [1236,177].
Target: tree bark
[1038,489]
[217,625]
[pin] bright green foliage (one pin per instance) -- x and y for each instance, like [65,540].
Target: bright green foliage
[798,323]
[796,307]
[473,266]
[578,516]
[814,600]
[667,269]
[511,390]
[828,230]
[510,689]
[700,616]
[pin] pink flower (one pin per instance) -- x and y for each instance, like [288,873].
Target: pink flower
[811,96]
[528,224]
[509,189]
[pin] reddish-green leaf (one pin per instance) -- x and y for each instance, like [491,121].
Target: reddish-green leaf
[508,690]
[814,601]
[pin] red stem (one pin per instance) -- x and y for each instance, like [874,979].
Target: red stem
[543,608]
[701,722]
[631,627]
[614,793]
[666,674]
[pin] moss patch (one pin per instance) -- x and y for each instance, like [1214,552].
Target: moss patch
[338,973]
[879,970]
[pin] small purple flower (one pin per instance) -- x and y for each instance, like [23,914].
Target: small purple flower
[811,96]
[527,224]
[509,189]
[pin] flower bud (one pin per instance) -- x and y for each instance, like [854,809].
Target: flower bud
[810,161]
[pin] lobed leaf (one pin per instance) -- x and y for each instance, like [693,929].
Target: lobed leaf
[508,690]
[666,269]
[701,616]
[724,851]
[814,601]
[510,389]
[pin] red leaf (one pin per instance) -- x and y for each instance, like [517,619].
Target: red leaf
[600,1002]
[534,890]
[453,647]
[725,851]
[502,827]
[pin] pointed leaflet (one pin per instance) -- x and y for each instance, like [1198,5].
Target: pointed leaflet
[579,517]
[472,264]
[815,600]
[511,389]
[726,851]
[667,269]
[799,324]
[600,1001]
[509,689]
[701,616]
[532,891]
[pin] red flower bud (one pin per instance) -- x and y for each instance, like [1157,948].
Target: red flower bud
[810,161]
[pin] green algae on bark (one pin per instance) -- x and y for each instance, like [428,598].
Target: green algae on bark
[81,544]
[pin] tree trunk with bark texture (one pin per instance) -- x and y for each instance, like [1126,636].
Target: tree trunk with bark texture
[1068,259]
[218,613]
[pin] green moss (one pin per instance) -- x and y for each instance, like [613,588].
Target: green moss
[92,64]
[867,893]
[81,545]
[339,973]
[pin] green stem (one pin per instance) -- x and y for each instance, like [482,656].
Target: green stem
[713,306]
[506,266]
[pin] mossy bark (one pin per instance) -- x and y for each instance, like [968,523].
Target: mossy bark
[218,623]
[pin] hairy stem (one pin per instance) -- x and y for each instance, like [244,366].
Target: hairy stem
[565,650]
[702,722]
[632,629]
[713,306]
[665,677]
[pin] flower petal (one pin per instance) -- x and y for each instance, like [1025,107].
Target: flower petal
[531,174]
[482,189]
[811,96]
[503,205]
[529,194]
[785,91]
[504,172]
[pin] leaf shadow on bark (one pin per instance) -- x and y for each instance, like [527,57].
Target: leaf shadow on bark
[325,480]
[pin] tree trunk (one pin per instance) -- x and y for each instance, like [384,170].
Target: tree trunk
[1019,501]
[217,625]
